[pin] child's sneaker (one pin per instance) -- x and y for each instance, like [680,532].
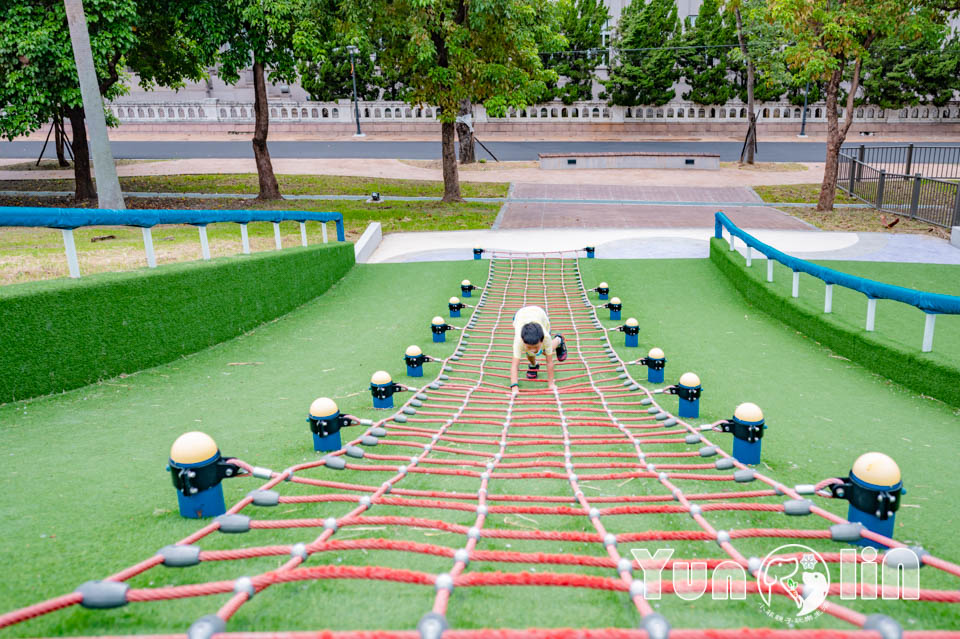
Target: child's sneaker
[562,349]
[532,371]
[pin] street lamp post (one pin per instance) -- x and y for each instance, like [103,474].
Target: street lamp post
[803,121]
[352,50]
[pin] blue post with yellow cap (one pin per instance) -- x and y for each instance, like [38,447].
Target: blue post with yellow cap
[615,307]
[477,252]
[656,362]
[325,423]
[455,306]
[873,488]
[631,332]
[688,390]
[382,389]
[466,288]
[414,359]
[603,291]
[197,469]
[747,427]
[590,251]
[439,329]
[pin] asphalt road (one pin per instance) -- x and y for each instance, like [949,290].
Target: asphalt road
[729,151]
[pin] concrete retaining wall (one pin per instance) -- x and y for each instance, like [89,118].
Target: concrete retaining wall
[694,161]
[368,242]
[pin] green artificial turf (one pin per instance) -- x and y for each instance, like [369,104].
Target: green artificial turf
[61,334]
[893,348]
[86,495]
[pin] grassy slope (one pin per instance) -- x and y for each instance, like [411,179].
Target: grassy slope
[115,505]
[289,185]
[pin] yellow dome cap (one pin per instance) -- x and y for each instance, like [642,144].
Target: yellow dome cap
[437,320]
[465,283]
[614,300]
[877,468]
[323,407]
[655,353]
[454,300]
[413,350]
[690,379]
[192,448]
[478,247]
[632,321]
[603,285]
[748,412]
[381,377]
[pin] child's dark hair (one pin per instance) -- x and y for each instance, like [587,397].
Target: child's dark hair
[531,333]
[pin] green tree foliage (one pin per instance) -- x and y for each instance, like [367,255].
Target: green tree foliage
[272,34]
[705,64]
[830,41]
[905,72]
[764,42]
[581,22]
[455,50]
[329,79]
[645,76]
[38,75]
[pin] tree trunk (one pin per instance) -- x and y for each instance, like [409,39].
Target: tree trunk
[269,189]
[83,179]
[750,142]
[58,140]
[468,149]
[451,177]
[836,135]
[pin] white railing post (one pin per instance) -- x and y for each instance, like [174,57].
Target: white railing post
[323,228]
[928,326]
[72,263]
[749,256]
[245,239]
[828,299]
[276,235]
[732,242]
[871,313]
[303,233]
[769,269]
[148,247]
[796,284]
[204,245]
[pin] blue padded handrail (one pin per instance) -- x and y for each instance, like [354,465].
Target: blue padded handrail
[66,218]
[927,302]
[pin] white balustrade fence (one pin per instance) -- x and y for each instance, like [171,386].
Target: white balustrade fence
[217,111]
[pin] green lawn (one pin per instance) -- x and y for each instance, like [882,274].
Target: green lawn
[800,193]
[28,254]
[289,185]
[86,494]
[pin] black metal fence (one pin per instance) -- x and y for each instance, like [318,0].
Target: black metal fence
[932,161]
[930,199]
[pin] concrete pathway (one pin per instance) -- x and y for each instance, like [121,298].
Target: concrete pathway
[398,169]
[664,243]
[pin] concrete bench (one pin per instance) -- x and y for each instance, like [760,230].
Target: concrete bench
[639,160]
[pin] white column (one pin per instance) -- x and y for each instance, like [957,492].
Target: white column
[303,233]
[245,239]
[323,227]
[796,284]
[871,313]
[928,332]
[769,269]
[148,247]
[276,235]
[732,242]
[749,257]
[828,299]
[71,250]
[204,245]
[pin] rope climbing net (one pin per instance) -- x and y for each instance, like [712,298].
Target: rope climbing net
[574,477]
